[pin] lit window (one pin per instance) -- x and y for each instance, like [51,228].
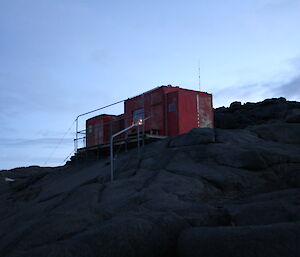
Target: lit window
[138,115]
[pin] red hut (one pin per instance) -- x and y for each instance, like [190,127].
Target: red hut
[171,111]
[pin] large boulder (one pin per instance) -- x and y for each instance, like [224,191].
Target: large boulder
[283,132]
[274,240]
[194,137]
[294,116]
[268,208]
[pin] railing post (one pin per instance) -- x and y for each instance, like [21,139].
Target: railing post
[76,140]
[139,123]
[138,139]
[111,158]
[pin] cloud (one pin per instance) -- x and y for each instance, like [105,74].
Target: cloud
[22,92]
[26,159]
[290,89]
[19,152]
[280,5]
[295,62]
[41,142]
[283,85]
[246,93]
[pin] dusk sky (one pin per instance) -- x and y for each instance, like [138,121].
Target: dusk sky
[60,58]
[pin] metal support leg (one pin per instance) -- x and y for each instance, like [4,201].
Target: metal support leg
[138,124]
[112,149]
[138,139]
[143,136]
[111,158]
[76,142]
[126,139]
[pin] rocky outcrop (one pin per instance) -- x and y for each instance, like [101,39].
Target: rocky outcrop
[210,192]
[274,110]
[267,240]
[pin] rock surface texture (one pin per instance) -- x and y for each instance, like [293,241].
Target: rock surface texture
[230,191]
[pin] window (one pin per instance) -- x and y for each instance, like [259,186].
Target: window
[172,107]
[137,115]
[90,129]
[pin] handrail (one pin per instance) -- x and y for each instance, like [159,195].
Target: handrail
[122,117]
[83,114]
[99,108]
[112,149]
[137,124]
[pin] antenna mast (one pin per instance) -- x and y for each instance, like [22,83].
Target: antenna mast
[199,75]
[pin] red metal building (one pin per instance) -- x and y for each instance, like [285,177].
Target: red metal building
[98,129]
[171,111]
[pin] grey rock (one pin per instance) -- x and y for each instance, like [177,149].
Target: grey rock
[210,192]
[282,239]
[268,111]
[267,208]
[282,133]
[293,116]
[194,137]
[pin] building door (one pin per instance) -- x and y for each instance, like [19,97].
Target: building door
[204,111]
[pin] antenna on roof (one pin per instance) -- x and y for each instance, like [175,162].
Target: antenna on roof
[199,75]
